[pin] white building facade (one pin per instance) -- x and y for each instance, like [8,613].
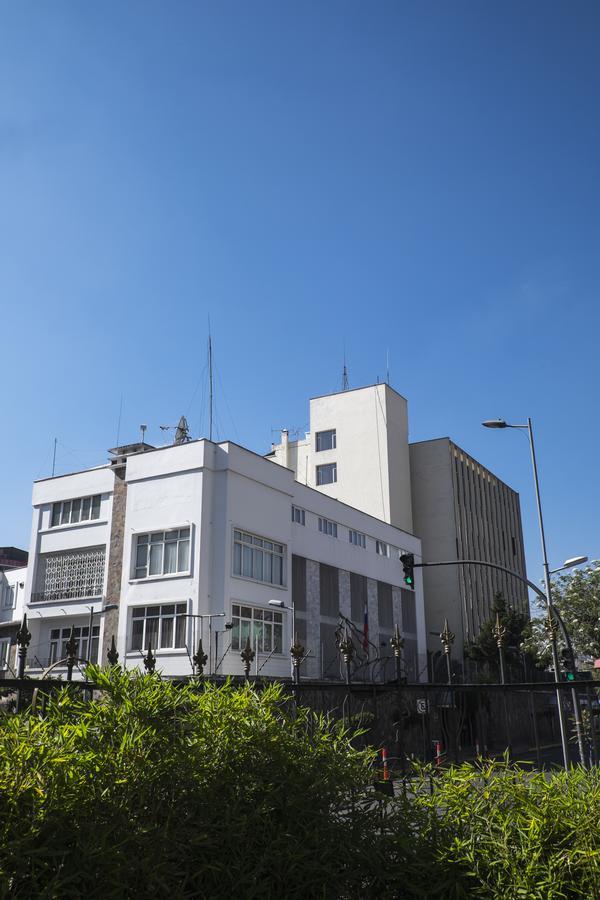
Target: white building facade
[163,546]
[357,450]
[12,605]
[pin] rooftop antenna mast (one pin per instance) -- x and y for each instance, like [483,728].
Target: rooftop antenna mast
[210,385]
[345,381]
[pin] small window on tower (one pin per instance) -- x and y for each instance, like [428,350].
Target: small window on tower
[326,440]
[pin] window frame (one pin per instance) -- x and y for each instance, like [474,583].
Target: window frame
[180,611]
[8,593]
[260,548]
[57,643]
[321,468]
[276,619]
[4,654]
[61,506]
[332,433]
[325,529]
[382,548]
[362,538]
[301,519]
[136,544]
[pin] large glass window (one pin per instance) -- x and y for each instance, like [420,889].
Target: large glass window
[160,627]
[326,440]
[162,553]
[257,558]
[264,627]
[59,638]
[69,512]
[327,474]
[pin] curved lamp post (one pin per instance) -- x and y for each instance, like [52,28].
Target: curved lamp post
[500,423]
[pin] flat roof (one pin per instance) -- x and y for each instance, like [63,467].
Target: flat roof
[458,447]
[365,387]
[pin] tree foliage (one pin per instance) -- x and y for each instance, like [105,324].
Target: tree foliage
[484,649]
[577,596]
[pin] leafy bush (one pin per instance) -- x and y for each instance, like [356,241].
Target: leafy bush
[181,791]
[501,831]
[204,792]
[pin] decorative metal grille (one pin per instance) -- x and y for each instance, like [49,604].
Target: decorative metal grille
[70,576]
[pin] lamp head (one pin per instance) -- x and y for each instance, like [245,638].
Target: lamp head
[279,603]
[576,561]
[494,423]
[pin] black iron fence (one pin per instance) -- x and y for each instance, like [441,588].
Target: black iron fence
[424,721]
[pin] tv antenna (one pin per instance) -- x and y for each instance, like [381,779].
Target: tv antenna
[345,381]
[182,431]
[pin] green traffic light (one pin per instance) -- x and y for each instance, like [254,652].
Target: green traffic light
[570,676]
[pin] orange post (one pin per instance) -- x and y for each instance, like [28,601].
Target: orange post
[384,759]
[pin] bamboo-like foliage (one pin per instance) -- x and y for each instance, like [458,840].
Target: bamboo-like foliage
[196,791]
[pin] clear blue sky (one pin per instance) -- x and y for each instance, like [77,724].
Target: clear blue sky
[419,177]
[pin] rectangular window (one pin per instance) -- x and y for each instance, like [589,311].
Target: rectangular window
[298,515]
[69,512]
[162,553]
[60,637]
[160,627]
[264,627]
[358,598]
[299,583]
[4,651]
[381,548]
[326,526]
[385,605]
[326,440]
[327,474]
[357,538]
[409,612]
[329,591]
[7,593]
[258,559]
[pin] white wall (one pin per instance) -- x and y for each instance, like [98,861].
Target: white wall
[373,467]
[212,489]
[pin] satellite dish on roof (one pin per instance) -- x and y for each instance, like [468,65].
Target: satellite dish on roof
[182,431]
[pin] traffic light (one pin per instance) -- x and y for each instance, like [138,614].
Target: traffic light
[408,562]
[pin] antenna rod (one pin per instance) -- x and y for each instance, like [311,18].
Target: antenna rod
[345,381]
[210,386]
[54,458]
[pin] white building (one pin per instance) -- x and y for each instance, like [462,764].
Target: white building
[12,596]
[168,537]
[357,450]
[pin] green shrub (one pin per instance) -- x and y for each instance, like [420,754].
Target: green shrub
[196,791]
[172,791]
[502,831]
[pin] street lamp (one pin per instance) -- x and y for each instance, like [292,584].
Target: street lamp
[500,423]
[570,563]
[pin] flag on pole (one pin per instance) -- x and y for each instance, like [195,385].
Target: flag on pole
[365,642]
